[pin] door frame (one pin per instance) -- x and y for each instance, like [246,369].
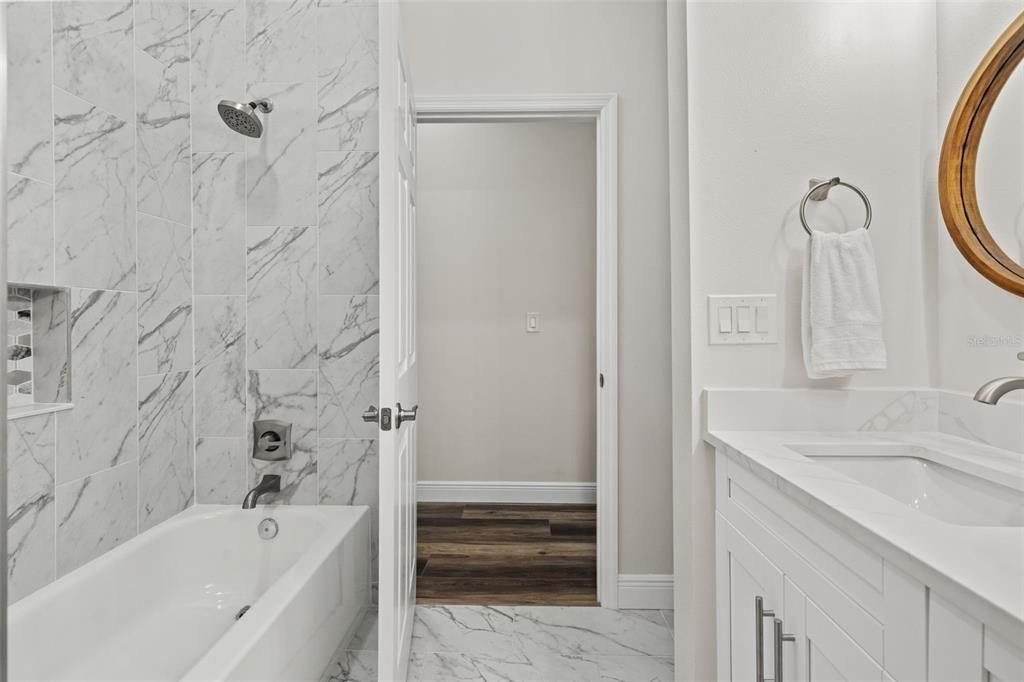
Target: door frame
[602,109]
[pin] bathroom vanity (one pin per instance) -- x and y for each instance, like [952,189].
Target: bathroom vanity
[878,547]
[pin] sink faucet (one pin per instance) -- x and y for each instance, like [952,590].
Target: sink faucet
[271,483]
[991,392]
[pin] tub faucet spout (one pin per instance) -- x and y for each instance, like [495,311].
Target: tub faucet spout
[271,483]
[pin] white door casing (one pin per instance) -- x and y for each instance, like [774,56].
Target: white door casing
[397,444]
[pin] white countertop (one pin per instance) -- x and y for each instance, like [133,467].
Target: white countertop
[984,564]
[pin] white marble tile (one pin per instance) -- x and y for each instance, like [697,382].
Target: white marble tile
[349,364]
[165,296]
[96,514]
[29,230]
[349,209]
[888,410]
[29,101]
[220,366]
[281,305]
[465,629]
[589,631]
[220,469]
[347,78]
[365,636]
[348,472]
[94,202]
[166,478]
[281,40]
[50,322]
[92,52]
[30,531]
[653,615]
[163,143]
[611,668]
[352,666]
[290,396]
[101,431]
[218,221]
[1000,425]
[218,71]
[161,29]
[482,666]
[281,165]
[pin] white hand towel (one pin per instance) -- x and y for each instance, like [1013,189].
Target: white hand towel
[842,307]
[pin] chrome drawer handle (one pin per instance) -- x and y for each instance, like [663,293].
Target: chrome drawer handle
[780,637]
[760,613]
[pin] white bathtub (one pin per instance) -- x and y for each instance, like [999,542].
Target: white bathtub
[162,606]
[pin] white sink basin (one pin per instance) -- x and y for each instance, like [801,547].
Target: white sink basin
[912,476]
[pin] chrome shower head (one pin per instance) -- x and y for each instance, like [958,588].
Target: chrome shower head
[242,118]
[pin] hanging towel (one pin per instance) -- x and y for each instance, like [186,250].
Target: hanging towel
[842,308]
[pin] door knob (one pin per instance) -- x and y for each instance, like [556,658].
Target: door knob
[371,415]
[403,415]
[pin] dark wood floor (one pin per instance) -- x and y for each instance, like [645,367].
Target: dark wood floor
[506,554]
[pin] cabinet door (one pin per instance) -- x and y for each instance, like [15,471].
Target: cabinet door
[743,575]
[832,656]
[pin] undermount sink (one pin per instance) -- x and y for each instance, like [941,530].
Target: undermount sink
[910,475]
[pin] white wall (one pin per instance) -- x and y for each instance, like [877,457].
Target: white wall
[981,327]
[569,46]
[801,90]
[506,224]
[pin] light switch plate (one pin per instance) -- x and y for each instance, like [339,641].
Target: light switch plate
[532,323]
[760,323]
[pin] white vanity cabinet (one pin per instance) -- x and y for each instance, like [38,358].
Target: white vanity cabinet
[849,614]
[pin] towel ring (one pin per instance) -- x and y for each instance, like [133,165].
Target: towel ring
[819,191]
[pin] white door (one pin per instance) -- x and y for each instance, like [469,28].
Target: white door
[397,445]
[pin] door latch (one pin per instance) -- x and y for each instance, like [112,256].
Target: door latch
[375,416]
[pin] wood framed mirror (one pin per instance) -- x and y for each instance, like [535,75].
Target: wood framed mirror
[958,160]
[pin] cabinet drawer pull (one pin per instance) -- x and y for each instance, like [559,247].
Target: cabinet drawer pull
[780,637]
[760,613]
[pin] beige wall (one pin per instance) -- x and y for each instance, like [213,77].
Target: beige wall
[506,225]
[555,46]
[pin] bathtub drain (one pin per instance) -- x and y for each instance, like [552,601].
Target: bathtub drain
[242,611]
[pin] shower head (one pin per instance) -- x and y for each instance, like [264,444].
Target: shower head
[242,118]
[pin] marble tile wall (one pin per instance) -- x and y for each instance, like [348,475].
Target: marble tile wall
[213,278]
[285,243]
[99,196]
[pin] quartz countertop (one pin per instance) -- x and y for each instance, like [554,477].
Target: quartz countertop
[982,564]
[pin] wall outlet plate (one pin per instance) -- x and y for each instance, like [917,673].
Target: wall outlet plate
[743,320]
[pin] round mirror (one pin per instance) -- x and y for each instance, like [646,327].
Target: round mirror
[981,185]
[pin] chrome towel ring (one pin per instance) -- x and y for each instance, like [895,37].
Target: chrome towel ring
[819,192]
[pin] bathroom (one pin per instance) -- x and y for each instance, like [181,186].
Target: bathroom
[210,465]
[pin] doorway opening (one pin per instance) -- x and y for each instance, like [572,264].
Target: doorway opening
[516,319]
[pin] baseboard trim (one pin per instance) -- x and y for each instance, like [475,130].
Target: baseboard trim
[645,591]
[507,492]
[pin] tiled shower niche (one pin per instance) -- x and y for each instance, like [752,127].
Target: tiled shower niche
[38,365]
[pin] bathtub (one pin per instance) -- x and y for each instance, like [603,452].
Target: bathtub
[163,605]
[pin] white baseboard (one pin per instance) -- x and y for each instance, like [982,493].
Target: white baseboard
[645,591]
[507,492]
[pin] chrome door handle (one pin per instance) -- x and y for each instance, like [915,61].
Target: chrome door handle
[371,415]
[760,613]
[779,639]
[403,415]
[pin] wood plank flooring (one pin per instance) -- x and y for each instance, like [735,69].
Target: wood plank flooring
[506,554]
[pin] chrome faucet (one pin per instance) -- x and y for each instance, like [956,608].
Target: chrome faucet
[991,392]
[271,483]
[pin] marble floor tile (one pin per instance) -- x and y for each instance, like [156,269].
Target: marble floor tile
[352,666]
[589,631]
[611,668]
[464,629]
[653,615]
[499,666]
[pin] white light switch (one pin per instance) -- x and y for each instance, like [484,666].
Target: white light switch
[746,319]
[725,320]
[761,319]
[743,319]
[532,323]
